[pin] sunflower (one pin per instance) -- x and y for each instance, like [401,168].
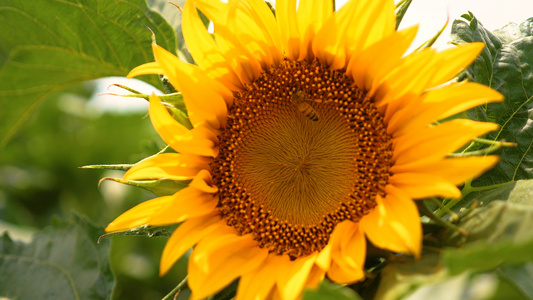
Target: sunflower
[312,132]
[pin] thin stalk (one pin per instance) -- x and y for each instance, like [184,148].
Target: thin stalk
[126,88]
[441,206]
[176,291]
[493,146]
[427,212]
[432,41]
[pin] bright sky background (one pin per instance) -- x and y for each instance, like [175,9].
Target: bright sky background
[430,14]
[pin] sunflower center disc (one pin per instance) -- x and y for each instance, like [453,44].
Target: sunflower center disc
[303,150]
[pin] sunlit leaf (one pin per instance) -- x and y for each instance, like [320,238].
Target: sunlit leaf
[506,65]
[328,290]
[520,192]
[63,261]
[521,276]
[500,232]
[403,276]
[60,43]
[498,248]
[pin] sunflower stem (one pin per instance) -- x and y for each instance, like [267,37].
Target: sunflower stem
[467,189]
[453,215]
[176,291]
[428,213]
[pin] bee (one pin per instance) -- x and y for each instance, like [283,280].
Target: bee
[300,99]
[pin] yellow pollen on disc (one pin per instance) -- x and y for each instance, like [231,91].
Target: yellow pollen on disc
[303,150]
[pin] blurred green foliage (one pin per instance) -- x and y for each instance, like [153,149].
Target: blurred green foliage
[40,177]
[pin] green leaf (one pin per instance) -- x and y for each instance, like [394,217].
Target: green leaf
[498,233]
[171,13]
[328,290]
[506,65]
[63,261]
[47,45]
[519,192]
[403,276]
[520,276]
[497,253]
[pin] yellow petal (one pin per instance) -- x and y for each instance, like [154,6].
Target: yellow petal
[214,10]
[451,61]
[202,182]
[254,23]
[187,203]
[374,20]
[353,28]
[236,51]
[293,275]
[372,64]
[186,236]
[146,69]
[454,170]
[441,103]
[419,186]
[329,43]
[312,14]
[428,69]
[205,52]
[323,260]
[140,214]
[173,166]
[199,140]
[316,275]
[204,103]
[438,141]
[219,259]
[348,253]
[341,272]
[394,224]
[260,12]
[411,77]
[258,284]
[288,27]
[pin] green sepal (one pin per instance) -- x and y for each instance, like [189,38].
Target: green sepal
[432,40]
[118,167]
[401,9]
[174,99]
[144,230]
[181,117]
[167,86]
[160,187]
